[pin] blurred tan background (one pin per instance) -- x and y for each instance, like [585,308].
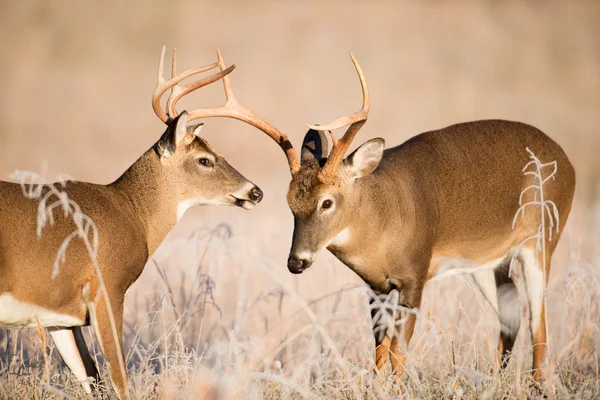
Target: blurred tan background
[77,77]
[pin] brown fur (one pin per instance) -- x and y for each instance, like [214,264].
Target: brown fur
[446,193]
[133,215]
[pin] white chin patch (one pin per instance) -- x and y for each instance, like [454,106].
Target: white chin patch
[248,205]
[242,195]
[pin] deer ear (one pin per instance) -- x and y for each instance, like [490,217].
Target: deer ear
[365,159]
[173,136]
[192,132]
[314,146]
[196,129]
[180,127]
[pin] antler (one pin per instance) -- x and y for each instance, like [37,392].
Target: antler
[177,91]
[233,109]
[356,121]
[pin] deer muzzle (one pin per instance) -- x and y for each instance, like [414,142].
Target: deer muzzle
[247,199]
[296,264]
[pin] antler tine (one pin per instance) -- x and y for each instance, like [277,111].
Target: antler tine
[357,116]
[161,66]
[355,120]
[334,140]
[226,83]
[179,92]
[233,109]
[174,63]
[170,104]
[162,86]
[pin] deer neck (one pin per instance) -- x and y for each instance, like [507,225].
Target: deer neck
[145,185]
[371,196]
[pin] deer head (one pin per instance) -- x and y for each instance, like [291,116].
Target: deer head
[322,209]
[200,174]
[321,195]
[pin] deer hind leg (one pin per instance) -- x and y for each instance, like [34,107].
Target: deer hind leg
[111,347]
[509,311]
[411,298]
[485,281]
[381,333]
[501,293]
[71,346]
[533,263]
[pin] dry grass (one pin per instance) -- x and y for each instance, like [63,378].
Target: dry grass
[191,339]
[216,314]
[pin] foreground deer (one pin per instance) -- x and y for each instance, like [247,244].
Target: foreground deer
[132,215]
[394,216]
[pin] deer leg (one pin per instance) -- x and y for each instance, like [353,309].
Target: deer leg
[509,307]
[501,293]
[382,337]
[411,298]
[533,264]
[111,347]
[88,361]
[71,346]
[484,279]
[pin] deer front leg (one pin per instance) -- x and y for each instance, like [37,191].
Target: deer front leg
[111,347]
[410,297]
[71,346]
[382,336]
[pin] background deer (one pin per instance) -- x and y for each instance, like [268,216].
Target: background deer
[132,215]
[393,216]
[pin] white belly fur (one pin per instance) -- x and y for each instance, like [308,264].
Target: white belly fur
[457,266]
[16,314]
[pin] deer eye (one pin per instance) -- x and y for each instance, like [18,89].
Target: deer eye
[205,162]
[326,204]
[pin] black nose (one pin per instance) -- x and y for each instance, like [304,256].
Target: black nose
[256,194]
[296,265]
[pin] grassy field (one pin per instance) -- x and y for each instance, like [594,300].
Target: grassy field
[216,314]
[214,318]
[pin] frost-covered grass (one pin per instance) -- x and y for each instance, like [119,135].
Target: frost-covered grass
[213,316]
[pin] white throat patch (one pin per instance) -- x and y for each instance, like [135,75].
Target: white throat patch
[341,238]
[185,205]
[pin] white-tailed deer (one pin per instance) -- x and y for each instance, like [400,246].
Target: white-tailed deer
[394,215]
[132,216]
